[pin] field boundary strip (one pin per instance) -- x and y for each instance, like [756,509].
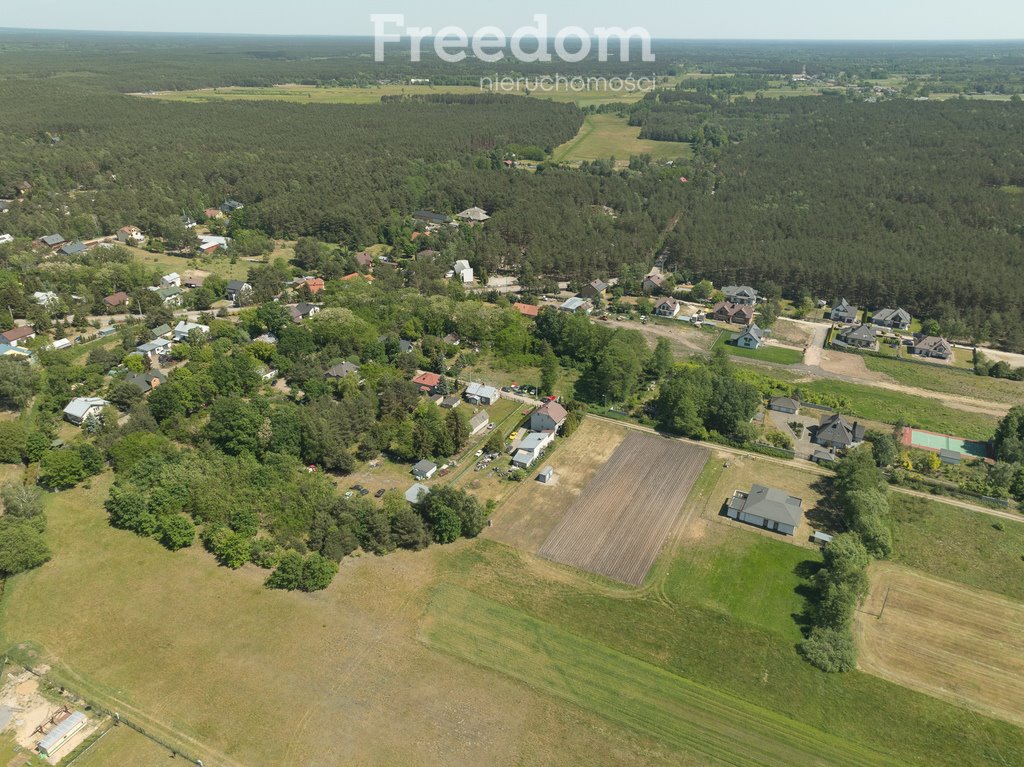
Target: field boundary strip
[634,694]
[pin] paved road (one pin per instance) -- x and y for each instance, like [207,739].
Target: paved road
[811,468]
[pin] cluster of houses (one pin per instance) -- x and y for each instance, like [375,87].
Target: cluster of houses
[866,335]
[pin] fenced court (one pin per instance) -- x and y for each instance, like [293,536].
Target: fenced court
[930,440]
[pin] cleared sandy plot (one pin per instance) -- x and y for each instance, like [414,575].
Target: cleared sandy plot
[526,519]
[618,523]
[956,643]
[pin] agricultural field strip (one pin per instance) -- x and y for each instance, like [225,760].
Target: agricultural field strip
[617,525]
[948,640]
[629,692]
[813,469]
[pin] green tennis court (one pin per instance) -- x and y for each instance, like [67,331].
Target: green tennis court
[932,441]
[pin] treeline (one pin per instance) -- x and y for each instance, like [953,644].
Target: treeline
[860,496]
[889,204]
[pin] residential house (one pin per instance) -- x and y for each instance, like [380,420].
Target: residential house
[147,380]
[740,294]
[897,319]
[577,305]
[22,188]
[427,382]
[751,337]
[431,218]
[835,432]
[482,395]
[315,284]
[358,276]
[115,300]
[5,205]
[195,281]
[161,331]
[859,336]
[341,370]
[18,335]
[80,409]
[594,289]
[529,448]
[451,402]
[842,311]
[130,235]
[188,221]
[473,215]
[172,280]
[6,350]
[667,307]
[653,283]
[170,296]
[527,310]
[213,214]
[238,292]
[6,238]
[51,241]
[209,243]
[452,339]
[546,475]
[60,343]
[364,260]
[154,349]
[463,272]
[303,311]
[932,346]
[549,417]
[230,206]
[768,508]
[405,346]
[416,493]
[735,314]
[73,248]
[424,469]
[45,298]
[478,423]
[784,405]
[266,338]
[183,329]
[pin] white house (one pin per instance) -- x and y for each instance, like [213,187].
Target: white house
[549,417]
[172,280]
[463,272]
[481,394]
[752,337]
[667,307]
[61,343]
[6,238]
[768,508]
[130,234]
[182,330]
[153,349]
[45,298]
[530,447]
[81,408]
[478,423]
[473,215]
[424,469]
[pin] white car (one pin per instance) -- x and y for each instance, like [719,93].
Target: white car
[479,453]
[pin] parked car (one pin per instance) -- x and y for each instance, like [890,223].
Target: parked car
[479,453]
[379,493]
[491,426]
[363,491]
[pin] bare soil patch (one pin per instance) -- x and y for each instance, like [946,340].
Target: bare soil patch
[617,525]
[960,644]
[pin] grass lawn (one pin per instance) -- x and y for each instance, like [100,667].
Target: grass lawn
[768,353]
[628,692]
[577,640]
[958,545]
[167,262]
[123,746]
[605,136]
[876,404]
[942,378]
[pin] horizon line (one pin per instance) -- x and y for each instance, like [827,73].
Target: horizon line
[342,36]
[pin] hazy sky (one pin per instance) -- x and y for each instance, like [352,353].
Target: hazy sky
[766,19]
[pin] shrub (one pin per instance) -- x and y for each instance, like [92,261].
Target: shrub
[830,649]
[21,546]
[288,573]
[60,469]
[177,531]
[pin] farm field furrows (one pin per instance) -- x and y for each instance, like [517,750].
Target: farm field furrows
[950,641]
[617,525]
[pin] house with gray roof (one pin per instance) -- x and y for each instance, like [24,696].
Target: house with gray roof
[577,304]
[341,370]
[183,329]
[480,394]
[897,319]
[768,508]
[51,241]
[73,248]
[740,294]
[859,336]
[478,423]
[417,492]
[835,432]
[932,346]
[594,289]
[788,405]
[842,311]
[529,448]
[751,337]
[667,307]
[147,380]
[80,409]
[424,469]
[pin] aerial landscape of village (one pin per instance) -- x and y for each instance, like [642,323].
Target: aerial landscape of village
[373,394]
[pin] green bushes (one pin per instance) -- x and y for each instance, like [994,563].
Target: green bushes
[21,529]
[295,572]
